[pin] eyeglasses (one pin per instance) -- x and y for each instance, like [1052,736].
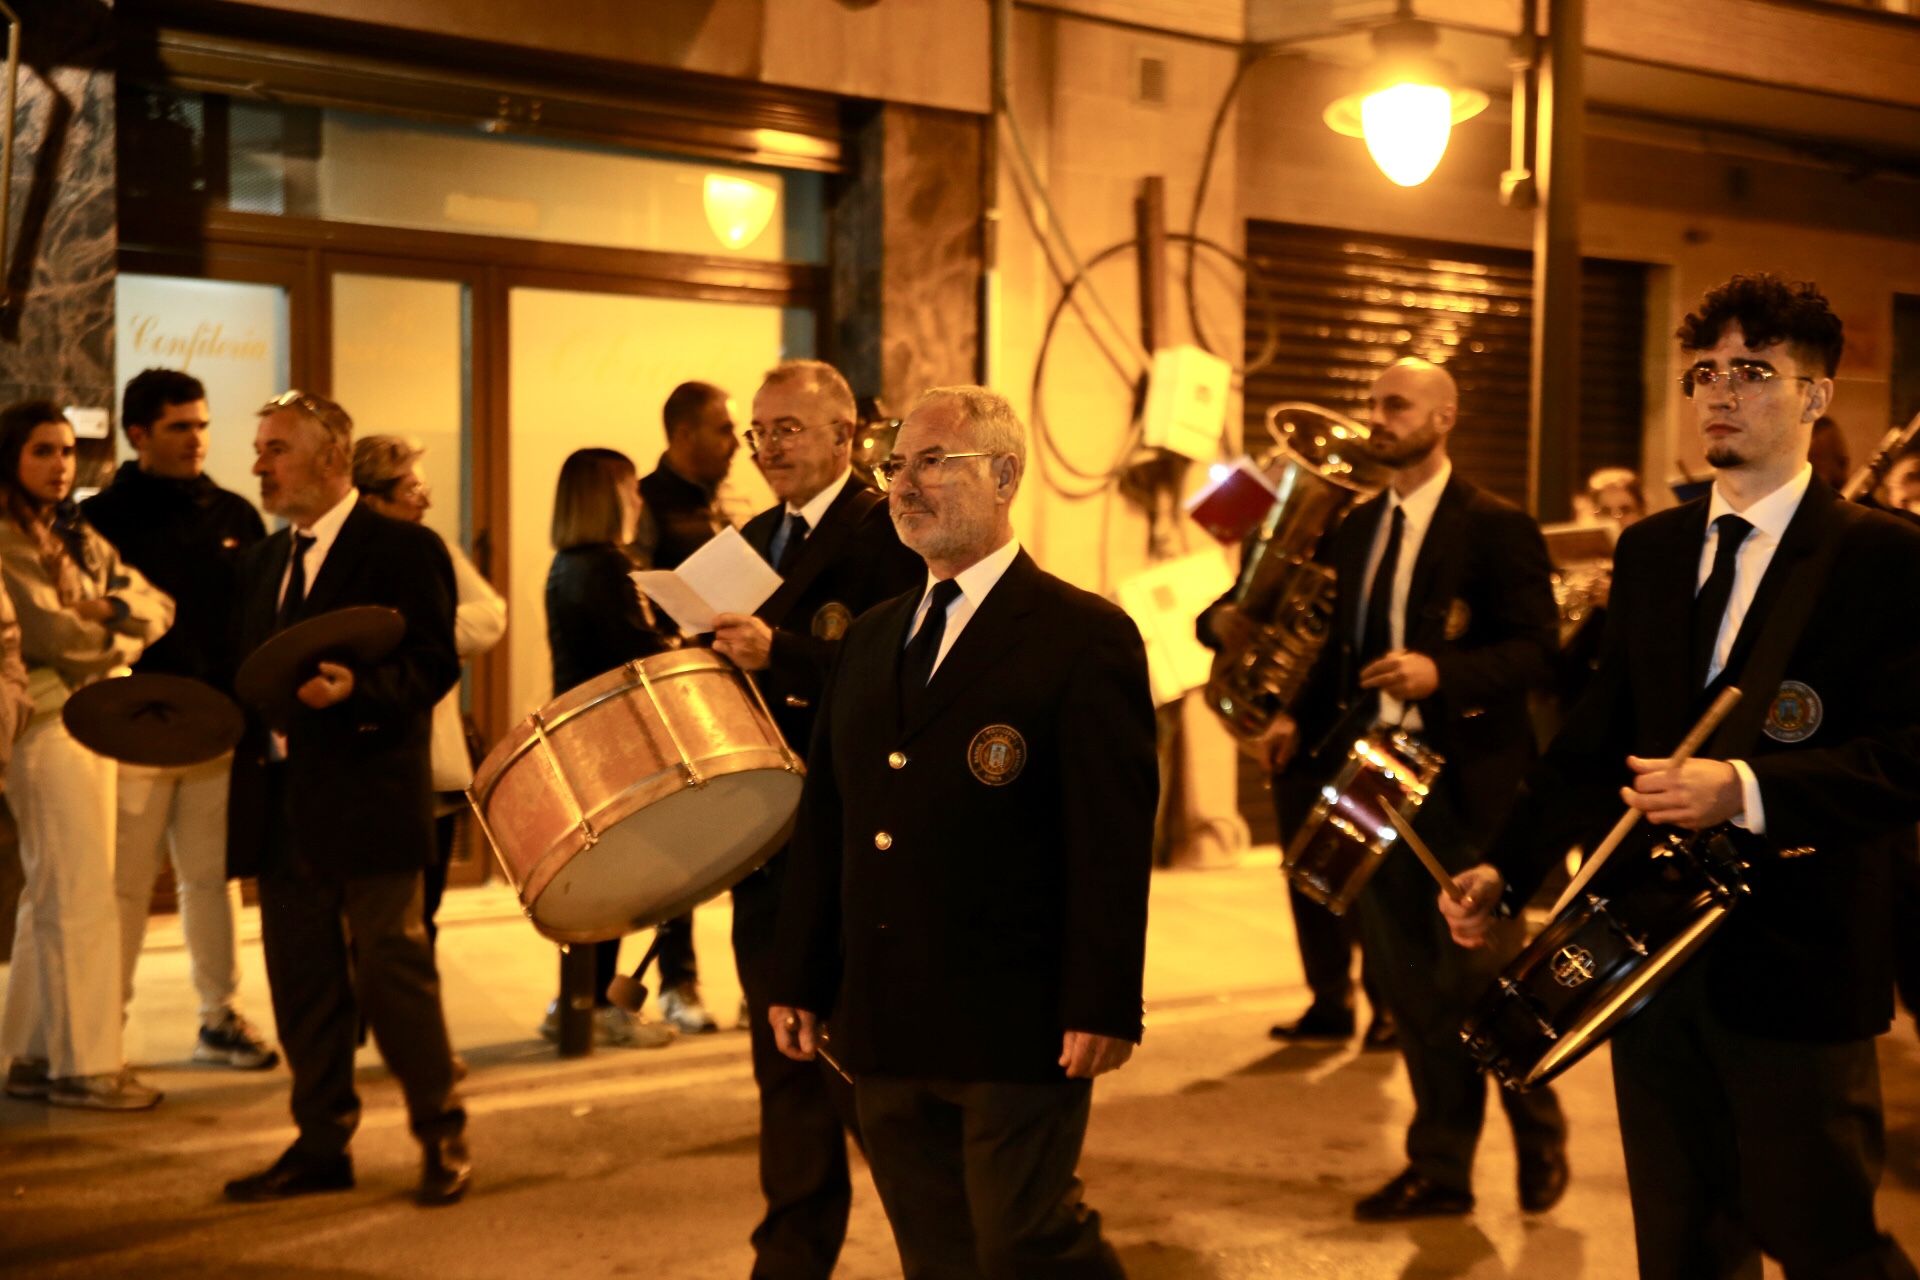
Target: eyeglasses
[1736,378]
[760,439]
[885,473]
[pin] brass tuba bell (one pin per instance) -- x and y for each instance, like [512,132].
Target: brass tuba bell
[1318,467]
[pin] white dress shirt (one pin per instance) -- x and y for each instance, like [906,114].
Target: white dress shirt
[1419,507]
[816,509]
[324,531]
[975,582]
[1769,517]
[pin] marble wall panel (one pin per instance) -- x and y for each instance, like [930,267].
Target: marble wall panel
[907,253]
[56,337]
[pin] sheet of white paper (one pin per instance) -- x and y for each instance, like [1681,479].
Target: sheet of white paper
[723,576]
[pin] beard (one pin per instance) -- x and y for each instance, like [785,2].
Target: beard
[1414,449]
[1722,456]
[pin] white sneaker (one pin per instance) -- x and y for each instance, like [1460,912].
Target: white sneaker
[680,1008]
[111,1091]
[616,1028]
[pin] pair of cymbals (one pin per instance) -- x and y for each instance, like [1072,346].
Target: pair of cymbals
[168,721]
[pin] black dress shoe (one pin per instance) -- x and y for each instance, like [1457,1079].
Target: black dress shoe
[445,1171]
[1543,1180]
[293,1175]
[1381,1034]
[1316,1024]
[1412,1196]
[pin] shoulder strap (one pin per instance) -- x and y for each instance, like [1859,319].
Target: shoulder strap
[1767,661]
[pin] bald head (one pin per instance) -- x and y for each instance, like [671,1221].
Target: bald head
[1412,408]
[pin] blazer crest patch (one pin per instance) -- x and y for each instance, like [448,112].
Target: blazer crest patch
[1795,714]
[1459,618]
[997,754]
[831,620]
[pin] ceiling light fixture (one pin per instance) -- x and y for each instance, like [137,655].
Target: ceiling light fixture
[1408,104]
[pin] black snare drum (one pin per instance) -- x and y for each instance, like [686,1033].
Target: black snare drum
[1340,844]
[1604,956]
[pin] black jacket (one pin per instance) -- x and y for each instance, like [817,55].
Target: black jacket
[1481,606]
[359,777]
[968,883]
[187,537]
[1808,956]
[595,621]
[852,562]
[678,515]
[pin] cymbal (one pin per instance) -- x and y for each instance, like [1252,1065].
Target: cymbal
[154,720]
[269,678]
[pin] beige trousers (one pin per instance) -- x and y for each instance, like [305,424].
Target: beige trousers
[180,813]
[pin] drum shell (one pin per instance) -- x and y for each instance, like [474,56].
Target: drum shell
[568,790]
[1541,1017]
[1339,846]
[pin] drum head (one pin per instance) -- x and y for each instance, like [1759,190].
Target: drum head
[666,859]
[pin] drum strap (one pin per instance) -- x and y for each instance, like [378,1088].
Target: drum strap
[835,528]
[1780,631]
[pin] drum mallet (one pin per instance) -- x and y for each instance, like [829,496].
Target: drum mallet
[626,990]
[1695,739]
[1427,860]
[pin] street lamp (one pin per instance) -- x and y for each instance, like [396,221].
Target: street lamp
[1409,103]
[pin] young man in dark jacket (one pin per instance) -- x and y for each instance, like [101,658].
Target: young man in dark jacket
[186,534]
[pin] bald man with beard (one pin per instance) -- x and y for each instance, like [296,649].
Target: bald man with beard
[1443,621]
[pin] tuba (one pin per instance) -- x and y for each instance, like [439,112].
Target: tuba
[1318,468]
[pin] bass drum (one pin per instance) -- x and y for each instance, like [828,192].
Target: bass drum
[638,795]
[1605,955]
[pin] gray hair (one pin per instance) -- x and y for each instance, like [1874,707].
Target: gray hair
[823,380]
[323,413]
[996,427]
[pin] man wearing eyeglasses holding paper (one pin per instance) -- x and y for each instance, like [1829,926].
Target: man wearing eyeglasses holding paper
[1748,1088]
[835,549]
[967,897]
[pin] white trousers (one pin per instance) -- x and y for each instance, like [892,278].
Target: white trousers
[63,988]
[181,812]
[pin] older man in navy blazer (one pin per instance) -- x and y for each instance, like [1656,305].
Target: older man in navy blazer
[968,891]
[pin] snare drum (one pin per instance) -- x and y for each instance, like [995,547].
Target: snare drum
[1605,955]
[1339,846]
[638,795]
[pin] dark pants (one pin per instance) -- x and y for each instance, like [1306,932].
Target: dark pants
[673,964]
[806,1111]
[1326,941]
[1738,1145]
[977,1178]
[337,949]
[446,830]
[1430,986]
[1906,929]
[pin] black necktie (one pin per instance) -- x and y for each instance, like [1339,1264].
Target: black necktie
[296,594]
[1710,606]
[1376,636]
[794,536]
[916,664]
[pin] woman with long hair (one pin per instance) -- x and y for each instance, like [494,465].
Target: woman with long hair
[84,614]
[597,620]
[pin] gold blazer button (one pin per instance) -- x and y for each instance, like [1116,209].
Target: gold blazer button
[882,841]
[897,760]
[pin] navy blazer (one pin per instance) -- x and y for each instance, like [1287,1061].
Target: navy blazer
[359,778]
[1808,957]
[852,562]
[969,881]
[1480,604]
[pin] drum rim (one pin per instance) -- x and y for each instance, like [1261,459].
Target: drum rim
[523,736]
[1617,1005]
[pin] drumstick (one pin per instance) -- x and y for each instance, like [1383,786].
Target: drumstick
[1695,739]
[1427,860]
